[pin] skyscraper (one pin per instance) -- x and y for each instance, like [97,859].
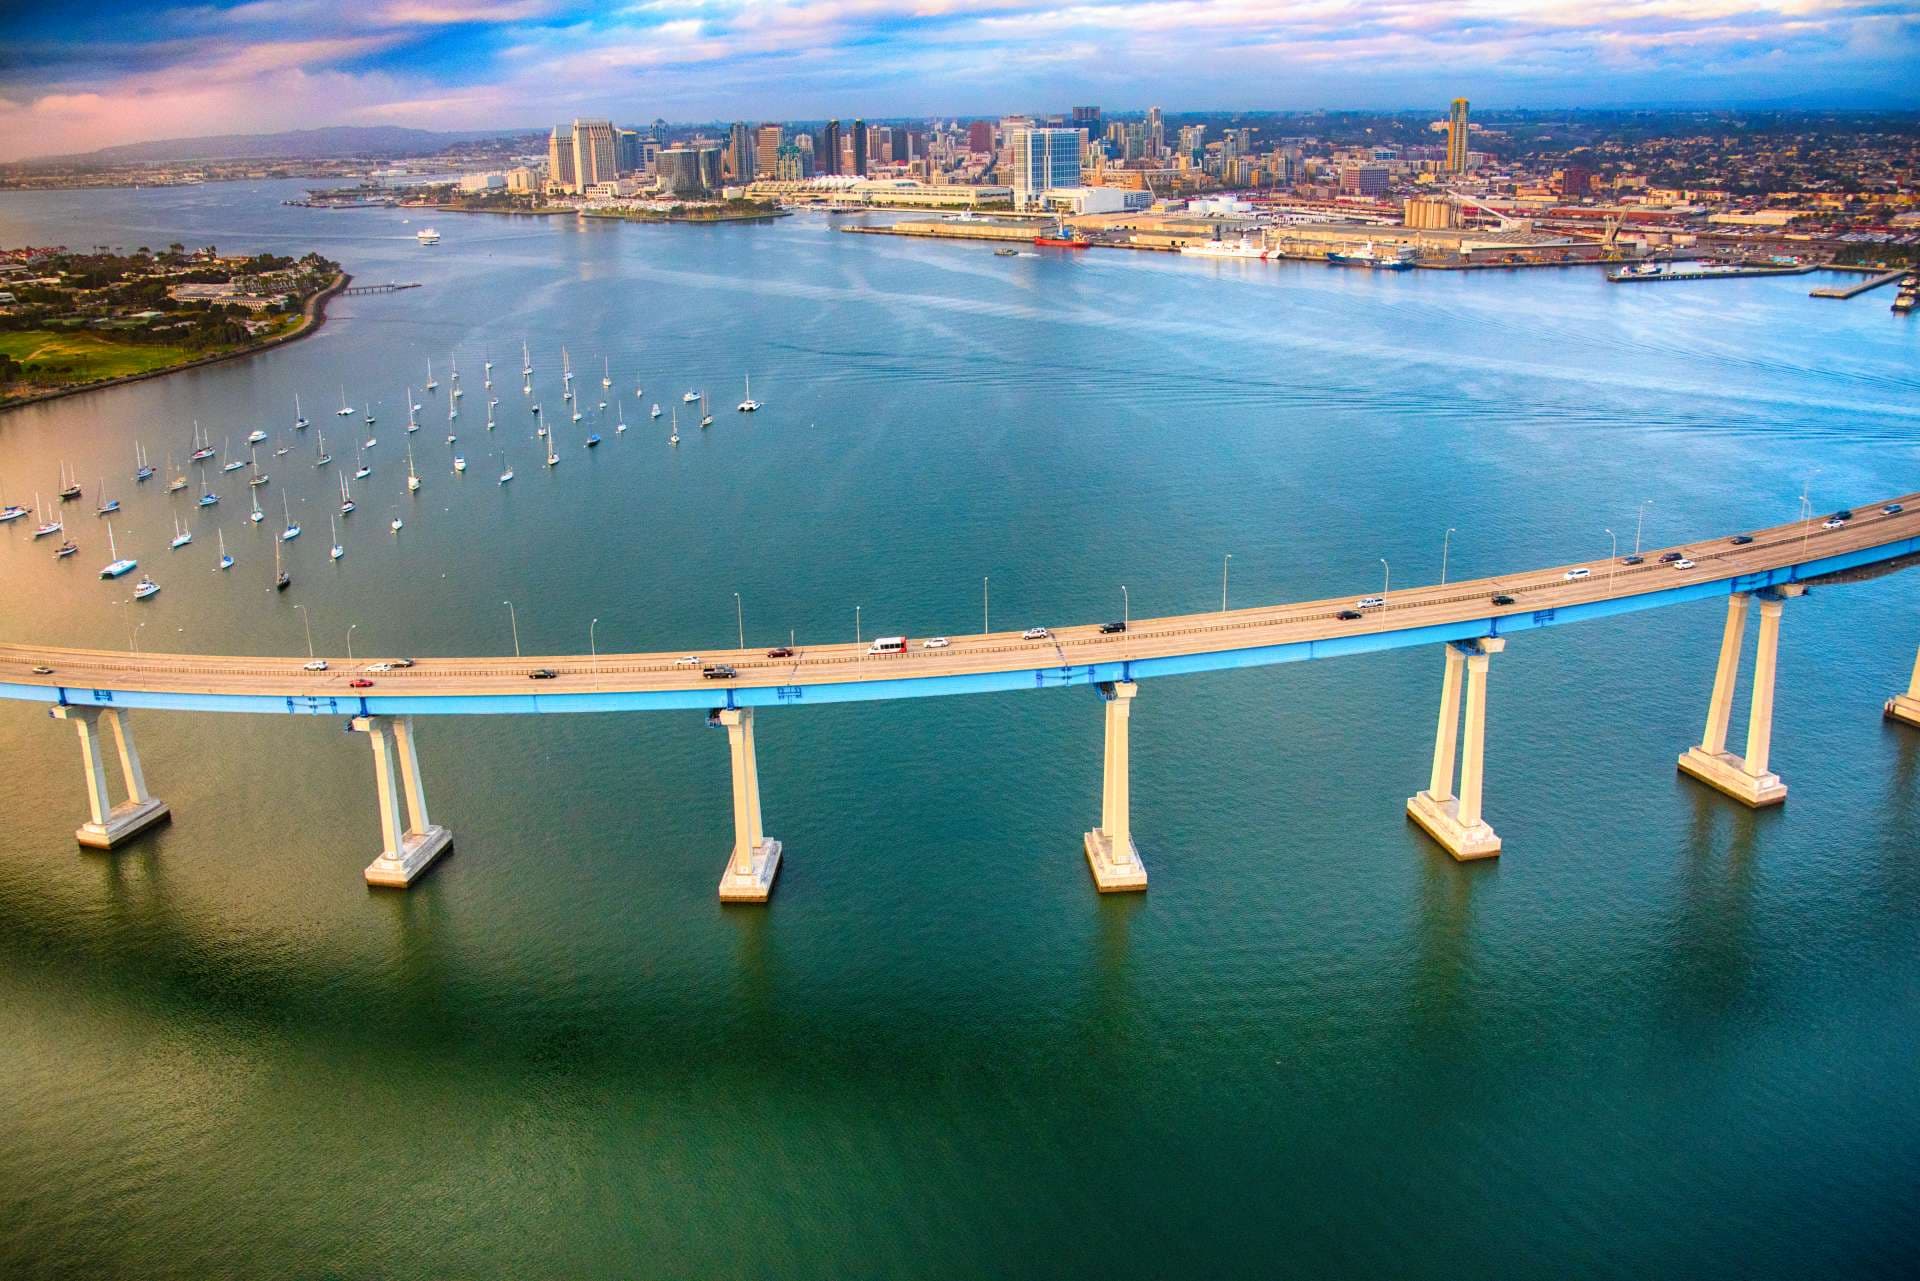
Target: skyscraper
[1043,159]
[594,159]
[766,150]
[1087,118]
[740,152]
[626,151]
[560,159]
[826,152]
[980,137]
[1156,133]
[860,146]
[1457,137]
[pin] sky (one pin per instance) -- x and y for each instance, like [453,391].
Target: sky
[91,73]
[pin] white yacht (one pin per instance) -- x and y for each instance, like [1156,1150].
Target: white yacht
[749,404]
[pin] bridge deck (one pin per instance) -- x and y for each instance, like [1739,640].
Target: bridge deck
[973,663]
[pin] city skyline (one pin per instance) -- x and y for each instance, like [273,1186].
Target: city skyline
[76,81]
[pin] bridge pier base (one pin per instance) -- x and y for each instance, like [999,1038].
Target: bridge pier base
[409,841]
[1111,853]
[1455,821]
[1906,707]
[1745,778]
[755,860]
[108,824]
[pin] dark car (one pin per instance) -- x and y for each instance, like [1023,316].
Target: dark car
[1635,559]
[401,662]
[780,651]
[542,674]
[1671,557]
[1349,615]
[359,682]
[41,669]
[718,672]
[1501,598]
[1741,540]
[1108,629]
[1845,513]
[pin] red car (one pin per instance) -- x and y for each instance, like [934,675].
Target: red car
[360,682]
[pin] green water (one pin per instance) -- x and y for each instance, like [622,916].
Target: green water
[1659,1036]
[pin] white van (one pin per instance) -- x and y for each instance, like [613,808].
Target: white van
[888,645]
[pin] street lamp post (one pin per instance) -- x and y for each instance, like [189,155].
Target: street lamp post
[1386,578]
[514,618]
[739,620]
[1639,518]
[350,628]
[307,618]
[1126,608]
[856,624]
[1613,560]
[593,647]
[1445,545]
[1223,581]
[986,584]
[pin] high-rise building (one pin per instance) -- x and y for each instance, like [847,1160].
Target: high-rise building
[1042,159]
[1363,180]
[790,164]
[859,139]
[560,175]
[1576,181]
[980,137]
[1156,133]
[902,145]
[627,154]
[1457,137]
[740,152]
[766,149]
[594,160]
[1087,118]
[826,152]
[689,171]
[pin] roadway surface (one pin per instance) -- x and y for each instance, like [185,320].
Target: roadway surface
[970,663]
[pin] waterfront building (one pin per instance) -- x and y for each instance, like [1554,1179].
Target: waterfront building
[594,161]
[483,182]
[1457,159]
[826,150]
[858,139]
[522,181]
[560,176]
[628,154]
[1042,158]
[689,172]
[740,152]
[766,149]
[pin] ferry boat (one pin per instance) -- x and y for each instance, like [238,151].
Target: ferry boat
[1399,260]
[427,236]
[1245,247]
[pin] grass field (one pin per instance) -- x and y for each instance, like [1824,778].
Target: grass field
[85,357]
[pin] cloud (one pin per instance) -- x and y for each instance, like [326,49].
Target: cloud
[91,77]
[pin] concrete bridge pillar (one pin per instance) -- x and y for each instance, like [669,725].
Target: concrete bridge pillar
[1906,707]
[409,841]
[108,824]
[1455,821]
[756,856]
[1111,853]
[1745,778]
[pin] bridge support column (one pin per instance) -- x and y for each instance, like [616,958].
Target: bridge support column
[409,841]
[108,824]
[1455,821]
[1745,778]
[1906,707]
[1111,853]
[756,856]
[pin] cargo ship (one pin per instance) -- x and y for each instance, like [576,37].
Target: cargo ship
[1399,260]
[1062,242]
[1244,247]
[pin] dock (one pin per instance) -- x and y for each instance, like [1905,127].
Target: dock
[1713,273]
[1859,287]
[391,287]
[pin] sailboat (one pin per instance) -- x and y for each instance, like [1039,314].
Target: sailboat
[506,473]
[622,424]
[395,524]
[453,412]
[181,537]
[118,565]
[566,367]
[459,462]
[490,405]
[179,481]
[526,362]
[226,446]
[202,448]
[749,405]
[107,505]
[606,372]
[675,438]
[321,456]
[346,498]
[706,419]
[345,410]
[226,561]
[413,424]
[256,516]
[69,485]
[361,471]
[12,511]
[338,551]
[50,522]
[486,374]
[593,438]
[299,419]
[413,477]
[454,377]
[687,398]
[255,436]
[431,383]
[142,470]
[553,449]
[281,578]
[655,411]
[208,499]
[292,531]
[259,477]
[576,413]
[67,547]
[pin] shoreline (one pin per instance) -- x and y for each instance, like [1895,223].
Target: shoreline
[313,314]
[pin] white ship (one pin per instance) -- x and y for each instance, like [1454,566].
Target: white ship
[427,236]
[1245,247]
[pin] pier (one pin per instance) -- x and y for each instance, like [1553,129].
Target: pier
[1859,287]
[1470,621]
[392,287]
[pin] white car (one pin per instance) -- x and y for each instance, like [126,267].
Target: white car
[935,642]
[1572,574]
[691,660]
[1832,522]
[1683,563]
[1371,602]
[1036,633]
[380,667]
[317,665]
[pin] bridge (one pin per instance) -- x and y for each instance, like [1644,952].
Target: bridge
[1472,621]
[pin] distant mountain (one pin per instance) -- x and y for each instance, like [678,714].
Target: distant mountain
[298,144]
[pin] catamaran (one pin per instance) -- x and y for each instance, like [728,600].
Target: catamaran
[142,469]
[345,410]
[749,405]
[226,561]
[181,537]
[413,477]
[431,383]
[299,419]
[338,551]
[292,531]
[118,565]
